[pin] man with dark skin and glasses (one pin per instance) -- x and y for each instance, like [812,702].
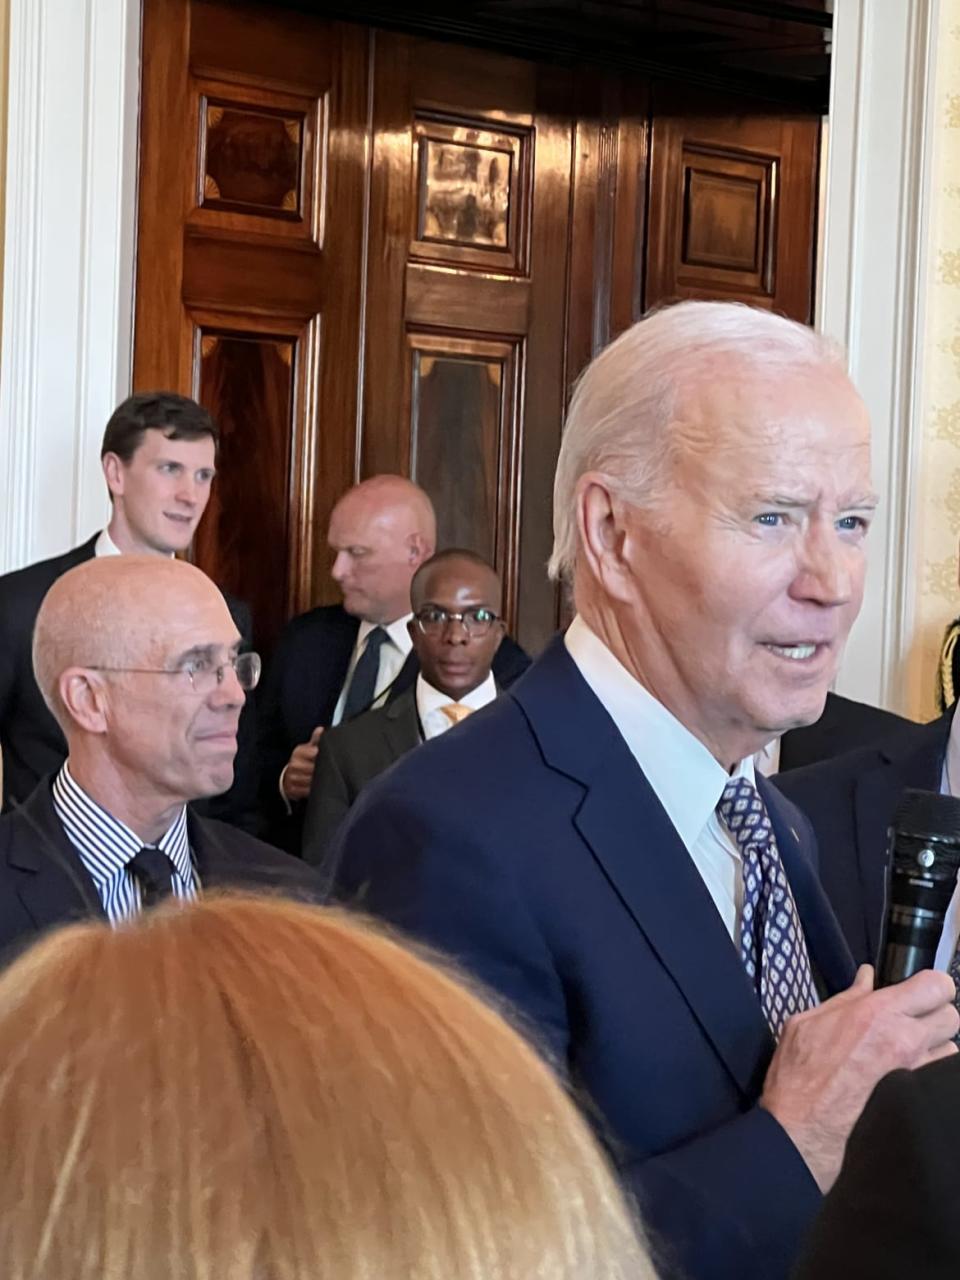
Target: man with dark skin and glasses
[456,630]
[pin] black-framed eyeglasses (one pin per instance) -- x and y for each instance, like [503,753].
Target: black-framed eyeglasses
[203,674]
[433,620]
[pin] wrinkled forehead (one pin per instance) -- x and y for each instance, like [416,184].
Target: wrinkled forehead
[809,418]
[179,618]
[451,585]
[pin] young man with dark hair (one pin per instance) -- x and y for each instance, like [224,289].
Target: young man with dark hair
[177,417]
[159,457]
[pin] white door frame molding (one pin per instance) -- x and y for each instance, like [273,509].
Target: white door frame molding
[74,85]
[873,293]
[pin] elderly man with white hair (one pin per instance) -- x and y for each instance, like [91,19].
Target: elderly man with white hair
[595,846]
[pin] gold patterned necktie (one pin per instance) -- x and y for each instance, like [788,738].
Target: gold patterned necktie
[456,711]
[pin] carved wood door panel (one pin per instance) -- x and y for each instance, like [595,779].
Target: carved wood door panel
[367,252]
[732,204]
[466,299]
[249,273]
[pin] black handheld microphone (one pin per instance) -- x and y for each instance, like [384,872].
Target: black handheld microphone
[923,857]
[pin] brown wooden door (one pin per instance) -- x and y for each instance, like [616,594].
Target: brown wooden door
[369,252]
[733,194]
[249,273]
[466,299]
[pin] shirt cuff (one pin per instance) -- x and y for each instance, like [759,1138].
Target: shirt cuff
[286,803]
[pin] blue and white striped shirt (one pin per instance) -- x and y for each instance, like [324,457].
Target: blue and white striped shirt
[106,845]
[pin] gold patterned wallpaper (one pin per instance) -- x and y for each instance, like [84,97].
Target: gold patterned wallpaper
[938,483]
[4,85]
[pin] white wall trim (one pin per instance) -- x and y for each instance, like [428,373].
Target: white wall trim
[873,293]
[69,255]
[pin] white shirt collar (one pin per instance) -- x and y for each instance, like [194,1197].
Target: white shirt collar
[105,545]
[397,631]
[767,759]
[688,781]
[429,701]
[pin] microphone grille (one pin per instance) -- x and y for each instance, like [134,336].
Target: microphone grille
[927,813]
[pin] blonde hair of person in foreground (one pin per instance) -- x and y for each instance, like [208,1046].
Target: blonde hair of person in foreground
[250,1089]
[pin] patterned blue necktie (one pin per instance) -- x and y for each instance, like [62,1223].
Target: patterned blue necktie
[772,946]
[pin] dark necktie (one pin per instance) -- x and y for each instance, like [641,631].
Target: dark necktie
[154,874]
[772,946]
[363,683]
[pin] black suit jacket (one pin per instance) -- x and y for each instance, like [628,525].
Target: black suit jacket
[349,757]
[31,740]
[851,802]
[892,1214]
[44,883]
[844,726]
[300,692]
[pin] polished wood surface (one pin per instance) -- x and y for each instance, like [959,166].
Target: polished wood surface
[732,205]
[366,251]
[248,290]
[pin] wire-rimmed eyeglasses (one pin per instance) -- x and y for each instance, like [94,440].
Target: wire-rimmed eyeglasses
[204,675]
[432,620]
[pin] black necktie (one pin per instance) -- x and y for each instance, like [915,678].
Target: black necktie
[363,683]
[154,874]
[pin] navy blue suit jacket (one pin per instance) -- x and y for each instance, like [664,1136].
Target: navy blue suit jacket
[529,846]
[850,802]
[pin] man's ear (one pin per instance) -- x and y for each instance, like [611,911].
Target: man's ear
[113,473]
[601,521]
[83,694]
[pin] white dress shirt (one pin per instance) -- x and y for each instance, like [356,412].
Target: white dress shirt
[950,786]
[686,778]
[105,545]
[393,654]
[106,845]
[429,701]
[767,759]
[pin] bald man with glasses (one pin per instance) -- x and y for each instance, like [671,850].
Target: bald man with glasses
[138,660]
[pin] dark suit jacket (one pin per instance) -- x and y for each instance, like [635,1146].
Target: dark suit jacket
[300,692]
[350,756]
[32,743]
[844,726]
[44,883]
[530,847]
[851,802]
[892,1214]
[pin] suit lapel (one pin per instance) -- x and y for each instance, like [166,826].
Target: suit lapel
[313,688]
[400,725]
[405,677]
[627,830]
[876,794]
[51,881]
[660,886]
